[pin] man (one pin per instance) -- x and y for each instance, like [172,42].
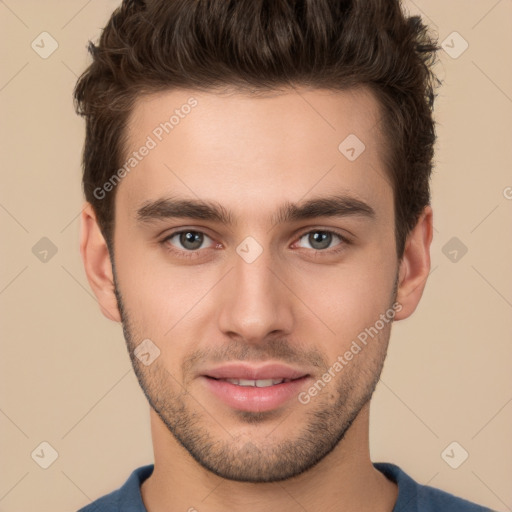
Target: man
[257,185]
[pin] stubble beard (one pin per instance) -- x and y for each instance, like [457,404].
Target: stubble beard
[327,417]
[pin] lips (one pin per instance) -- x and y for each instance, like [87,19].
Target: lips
[255,388]
[239,371]
[260,383]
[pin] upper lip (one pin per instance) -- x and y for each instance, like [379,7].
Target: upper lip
[251,372]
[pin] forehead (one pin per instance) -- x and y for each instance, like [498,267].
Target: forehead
[254,150]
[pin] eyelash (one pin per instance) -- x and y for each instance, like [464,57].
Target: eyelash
[196,253]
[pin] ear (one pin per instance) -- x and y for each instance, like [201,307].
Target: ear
[97,264]
[415,265]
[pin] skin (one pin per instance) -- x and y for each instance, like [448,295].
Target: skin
[298,302]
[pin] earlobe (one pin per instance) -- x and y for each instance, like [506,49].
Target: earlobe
[97,264]
[415,265]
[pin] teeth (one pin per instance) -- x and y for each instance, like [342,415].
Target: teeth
[261,383]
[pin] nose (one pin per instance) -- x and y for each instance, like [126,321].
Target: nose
[255,301]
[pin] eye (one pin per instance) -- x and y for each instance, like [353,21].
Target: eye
[319,240]
[188,240]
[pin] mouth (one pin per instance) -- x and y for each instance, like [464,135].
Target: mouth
[246,373]
[255,388]
[260,383]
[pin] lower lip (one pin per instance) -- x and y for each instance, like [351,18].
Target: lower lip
[252,398]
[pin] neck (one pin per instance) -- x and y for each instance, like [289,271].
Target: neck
[344,481]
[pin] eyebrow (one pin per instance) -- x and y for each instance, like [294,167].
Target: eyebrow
[331,206]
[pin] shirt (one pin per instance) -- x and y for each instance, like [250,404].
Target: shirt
[412,497]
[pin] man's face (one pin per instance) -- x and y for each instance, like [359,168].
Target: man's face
[263,297]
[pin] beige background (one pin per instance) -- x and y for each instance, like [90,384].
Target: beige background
[65,375]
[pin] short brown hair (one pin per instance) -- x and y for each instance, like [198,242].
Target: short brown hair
[154,45]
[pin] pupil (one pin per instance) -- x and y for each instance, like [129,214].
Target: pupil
[321,237]
[191,239]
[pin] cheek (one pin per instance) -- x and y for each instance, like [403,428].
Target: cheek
[158,299]
[160,307]
[145,289]
[164,302]
[348,300]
